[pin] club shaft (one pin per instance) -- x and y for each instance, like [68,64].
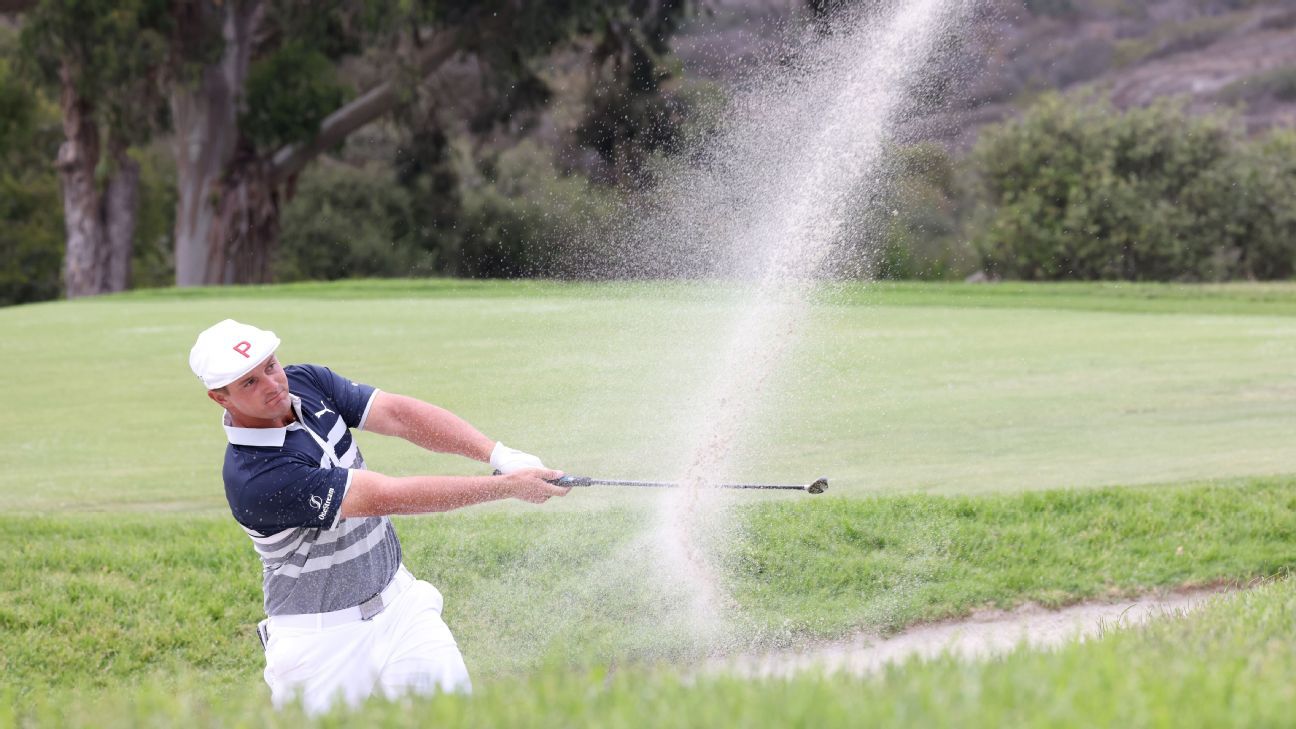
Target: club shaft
[816,487]
[670,485]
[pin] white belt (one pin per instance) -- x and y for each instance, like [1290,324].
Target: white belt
[364,611]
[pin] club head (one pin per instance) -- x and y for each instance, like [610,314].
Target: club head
[818,487]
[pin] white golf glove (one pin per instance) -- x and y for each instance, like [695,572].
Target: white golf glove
[507,460]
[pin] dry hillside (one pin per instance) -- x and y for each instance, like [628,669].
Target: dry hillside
[1217,54]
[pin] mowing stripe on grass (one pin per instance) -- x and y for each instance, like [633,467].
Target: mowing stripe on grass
[937,395]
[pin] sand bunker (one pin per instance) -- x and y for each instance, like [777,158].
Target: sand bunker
[983,635]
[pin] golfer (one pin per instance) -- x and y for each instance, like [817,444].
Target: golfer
[345,619]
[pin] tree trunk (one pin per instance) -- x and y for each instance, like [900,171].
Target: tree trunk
[85,261]
[100,226]
[120,210]
[245,224]
[205,115]
[227,213]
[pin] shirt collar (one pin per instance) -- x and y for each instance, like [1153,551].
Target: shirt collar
[262,436]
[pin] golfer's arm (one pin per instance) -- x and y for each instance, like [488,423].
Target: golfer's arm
[373,494]
[427,425]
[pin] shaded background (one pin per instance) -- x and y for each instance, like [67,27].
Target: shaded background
[149,143]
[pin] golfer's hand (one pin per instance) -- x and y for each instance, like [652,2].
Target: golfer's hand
[532,484]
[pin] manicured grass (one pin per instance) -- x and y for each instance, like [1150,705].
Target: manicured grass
[953,388]
[892,561]
[111,600]
[947,417]
[1228,664]
[1273,298]
[1268,299]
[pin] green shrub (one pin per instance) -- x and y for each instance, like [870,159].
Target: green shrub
[347,222]
[31,239]
[1077,190]
[1246,204]
[910,227]
[524,219]
[153,256]
[924,237]
[31,221]
[517,219]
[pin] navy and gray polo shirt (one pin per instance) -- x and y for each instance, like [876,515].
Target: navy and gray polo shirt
[285,487]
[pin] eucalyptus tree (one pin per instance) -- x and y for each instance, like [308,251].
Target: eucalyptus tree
[251,92]
[266,98]
[106,57]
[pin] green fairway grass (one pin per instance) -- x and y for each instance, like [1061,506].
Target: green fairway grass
[1221,298]
[953,388]
[986,445]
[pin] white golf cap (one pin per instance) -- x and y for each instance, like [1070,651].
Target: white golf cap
[228,350]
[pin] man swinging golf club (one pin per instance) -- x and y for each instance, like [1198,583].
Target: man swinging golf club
[345,619]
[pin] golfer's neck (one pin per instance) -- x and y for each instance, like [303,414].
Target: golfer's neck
[243,421]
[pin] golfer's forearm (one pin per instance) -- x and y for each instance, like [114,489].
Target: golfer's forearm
[431,427]
[373,494]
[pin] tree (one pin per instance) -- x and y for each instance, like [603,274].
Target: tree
[253,93]
[104,55]
[630,118]
[498,161]
[241,143]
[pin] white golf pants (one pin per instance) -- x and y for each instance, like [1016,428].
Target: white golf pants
[406,648]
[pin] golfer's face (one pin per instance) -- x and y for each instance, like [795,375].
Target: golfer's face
[261,393]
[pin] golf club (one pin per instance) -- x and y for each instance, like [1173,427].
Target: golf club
[818,486]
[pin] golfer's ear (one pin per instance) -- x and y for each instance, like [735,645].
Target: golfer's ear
[216,397]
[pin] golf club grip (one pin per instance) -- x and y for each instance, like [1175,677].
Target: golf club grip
[567,481]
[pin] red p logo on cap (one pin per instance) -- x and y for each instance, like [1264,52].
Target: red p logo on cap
[242,348]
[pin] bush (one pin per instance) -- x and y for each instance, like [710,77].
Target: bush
[1246,205]
[524,219]
[1078,190]
[518,219]
[31,221]
[153,256]
[31,240]
[347,222]
[910,226]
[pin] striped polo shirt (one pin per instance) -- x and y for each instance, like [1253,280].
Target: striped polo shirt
[285,487]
